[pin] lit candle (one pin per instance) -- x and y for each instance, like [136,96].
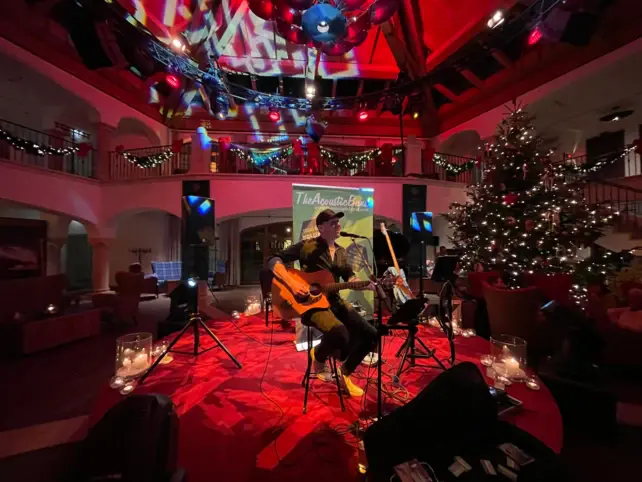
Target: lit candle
[116,382]
[140,362]
[532,384]
[127,389]
[486,360]
[512,367]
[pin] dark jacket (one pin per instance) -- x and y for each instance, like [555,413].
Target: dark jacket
[313,255]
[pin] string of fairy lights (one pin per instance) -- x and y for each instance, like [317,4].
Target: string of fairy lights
[150,161]
[35,148]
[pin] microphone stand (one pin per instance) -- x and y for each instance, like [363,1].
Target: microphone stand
[380,327]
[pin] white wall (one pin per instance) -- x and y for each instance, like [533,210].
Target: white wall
[150,229]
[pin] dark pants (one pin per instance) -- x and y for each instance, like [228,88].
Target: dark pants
[345,332]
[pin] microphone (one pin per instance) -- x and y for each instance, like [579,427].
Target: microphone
[350,235]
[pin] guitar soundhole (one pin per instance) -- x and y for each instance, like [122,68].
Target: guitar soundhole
[315,290]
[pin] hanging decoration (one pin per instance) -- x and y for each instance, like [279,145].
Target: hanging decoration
[333,28]
[454,169]
[150,161]
[34,148]
[315,127]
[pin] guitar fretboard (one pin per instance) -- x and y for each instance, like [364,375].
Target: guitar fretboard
[352,285]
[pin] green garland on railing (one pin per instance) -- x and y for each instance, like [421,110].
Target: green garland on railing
[569,167]
[148,162]
[265,159]
[351,162]
[34,148]
[453,169]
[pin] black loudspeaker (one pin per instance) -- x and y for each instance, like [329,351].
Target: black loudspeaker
[136,441]
[414,200]
[197,233]
[93,38]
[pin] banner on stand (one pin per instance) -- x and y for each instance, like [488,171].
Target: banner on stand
[358,206]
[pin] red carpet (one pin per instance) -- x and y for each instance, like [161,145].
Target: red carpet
[229,431]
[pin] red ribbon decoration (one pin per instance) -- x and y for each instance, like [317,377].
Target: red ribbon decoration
[83,149]
[177,146]
[386,153]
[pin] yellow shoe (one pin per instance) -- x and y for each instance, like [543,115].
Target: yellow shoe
[348,384]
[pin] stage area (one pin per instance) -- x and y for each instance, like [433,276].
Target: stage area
[247,424]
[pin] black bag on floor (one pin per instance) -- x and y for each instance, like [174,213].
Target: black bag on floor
[455,415]
[136,441]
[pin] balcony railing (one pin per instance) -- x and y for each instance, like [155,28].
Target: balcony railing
[331,161]
[149,162]
[468,175]
[30,147]
[625,200]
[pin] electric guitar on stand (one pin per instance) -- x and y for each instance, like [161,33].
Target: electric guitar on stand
[401,290]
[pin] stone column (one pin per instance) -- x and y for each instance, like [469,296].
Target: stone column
[201,152]
[104,133]
[54,255]
[100,263]
[413,156]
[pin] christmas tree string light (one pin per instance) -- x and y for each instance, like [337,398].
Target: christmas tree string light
[524,218]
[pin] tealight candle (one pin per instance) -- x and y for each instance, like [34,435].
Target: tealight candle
[127,389]
[532,383]
[486,360]
[116,382]
[469,333]
[512,367]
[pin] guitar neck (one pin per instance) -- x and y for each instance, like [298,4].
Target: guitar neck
[392,252]
[351,285]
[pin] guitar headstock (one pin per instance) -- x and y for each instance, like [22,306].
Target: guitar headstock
[384,231]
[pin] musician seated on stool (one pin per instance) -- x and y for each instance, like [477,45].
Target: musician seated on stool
[344,331]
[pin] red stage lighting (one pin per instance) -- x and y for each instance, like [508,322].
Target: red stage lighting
[362,115]
[274,116]
[173,81]
[535,36]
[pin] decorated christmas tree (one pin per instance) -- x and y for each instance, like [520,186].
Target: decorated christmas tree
[528,215]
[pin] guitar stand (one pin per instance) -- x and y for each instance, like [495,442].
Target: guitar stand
[409,351]
[195,322]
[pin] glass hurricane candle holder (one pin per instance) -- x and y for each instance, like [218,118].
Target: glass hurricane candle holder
[509,356]
[133,355]
[252,305]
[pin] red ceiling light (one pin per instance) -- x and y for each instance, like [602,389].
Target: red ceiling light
[362,115]
[535,36]
[274,115]
[173,81]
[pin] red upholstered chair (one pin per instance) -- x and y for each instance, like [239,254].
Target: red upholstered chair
[476,281]
[515,312]
[553,287]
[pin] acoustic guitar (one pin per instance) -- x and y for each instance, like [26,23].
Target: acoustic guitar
[401,289]
[287,306]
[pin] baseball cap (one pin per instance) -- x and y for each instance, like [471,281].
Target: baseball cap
[326,215]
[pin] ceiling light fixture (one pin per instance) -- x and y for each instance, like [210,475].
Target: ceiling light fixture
[173,81]
[310,91]
[178,44]
[274,115]
[535,36]
[496,19]
[617,115]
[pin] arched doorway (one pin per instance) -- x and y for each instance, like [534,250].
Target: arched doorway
[258,244]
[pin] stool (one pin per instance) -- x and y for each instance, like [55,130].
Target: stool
[309,373]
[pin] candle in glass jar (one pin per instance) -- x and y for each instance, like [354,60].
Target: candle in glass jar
[512,367]
[532,384]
